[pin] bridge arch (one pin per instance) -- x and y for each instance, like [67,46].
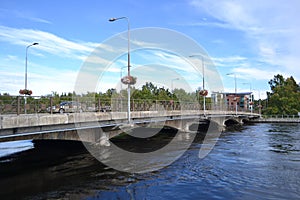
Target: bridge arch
[246,121]
[231,122]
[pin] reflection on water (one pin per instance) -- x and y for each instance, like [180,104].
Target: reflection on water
[7,148]
[260,162]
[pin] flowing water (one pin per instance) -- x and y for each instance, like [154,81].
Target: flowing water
[260,162]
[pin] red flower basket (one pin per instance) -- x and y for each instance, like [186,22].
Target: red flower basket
[26,92]
[203,93]
[128,80]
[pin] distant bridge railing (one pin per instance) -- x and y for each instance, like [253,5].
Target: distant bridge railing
[279,119]
[43,104]
[280,116]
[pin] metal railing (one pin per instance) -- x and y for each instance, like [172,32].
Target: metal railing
[280,116]
[42,104]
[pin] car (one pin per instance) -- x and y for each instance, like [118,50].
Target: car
[67,106]
[105,109]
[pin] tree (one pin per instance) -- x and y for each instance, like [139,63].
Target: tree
[285,96]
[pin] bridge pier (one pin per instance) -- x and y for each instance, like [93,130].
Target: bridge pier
[220,121]
[182,125]
[200,124]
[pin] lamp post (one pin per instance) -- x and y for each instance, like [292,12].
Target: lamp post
[235,91]
[35,43]
[203,82]
[128,60]
[251,106]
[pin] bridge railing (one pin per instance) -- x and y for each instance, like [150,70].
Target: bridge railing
[16,104]
[43,104]
[281,116]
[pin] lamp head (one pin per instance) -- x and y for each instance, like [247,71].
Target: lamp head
[112,19]
[35,43]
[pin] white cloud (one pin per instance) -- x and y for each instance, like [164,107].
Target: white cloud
[48,42]
[40,83]
[271,27]
[251,73]
[231,61]
[23,15]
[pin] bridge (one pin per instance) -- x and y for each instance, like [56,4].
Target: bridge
[95,126]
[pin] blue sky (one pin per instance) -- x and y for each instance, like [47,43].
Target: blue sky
[253,39]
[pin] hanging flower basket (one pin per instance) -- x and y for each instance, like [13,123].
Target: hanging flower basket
[26,92]
[128,80]
[251,103]
[203,93]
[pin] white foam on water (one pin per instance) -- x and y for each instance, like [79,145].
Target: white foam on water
[8,148]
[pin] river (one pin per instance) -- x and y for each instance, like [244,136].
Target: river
[262,161]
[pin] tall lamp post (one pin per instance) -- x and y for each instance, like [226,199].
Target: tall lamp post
[126,80]
[204,93]
[235,91]
[35,43]
[251,106]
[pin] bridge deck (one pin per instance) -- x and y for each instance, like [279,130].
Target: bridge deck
[29,120]
[25,126]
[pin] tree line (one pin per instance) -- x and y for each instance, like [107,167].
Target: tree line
[284,98]
[148,91]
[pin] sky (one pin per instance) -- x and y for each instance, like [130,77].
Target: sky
[251,40]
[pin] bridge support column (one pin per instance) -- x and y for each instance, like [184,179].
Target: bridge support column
[220,121]
[181,125]
[104,140]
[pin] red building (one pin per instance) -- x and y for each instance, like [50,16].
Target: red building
[232,101]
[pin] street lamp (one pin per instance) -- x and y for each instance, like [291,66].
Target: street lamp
[235,88]
[251,107]
[35,43]
[203,83]
[128,80]
[235,91]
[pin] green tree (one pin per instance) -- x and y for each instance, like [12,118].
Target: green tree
[284,96]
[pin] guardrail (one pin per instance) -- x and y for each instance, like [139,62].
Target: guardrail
[279,119]
[43,104]
[280,116]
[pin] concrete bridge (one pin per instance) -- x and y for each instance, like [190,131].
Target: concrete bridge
[92,126]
